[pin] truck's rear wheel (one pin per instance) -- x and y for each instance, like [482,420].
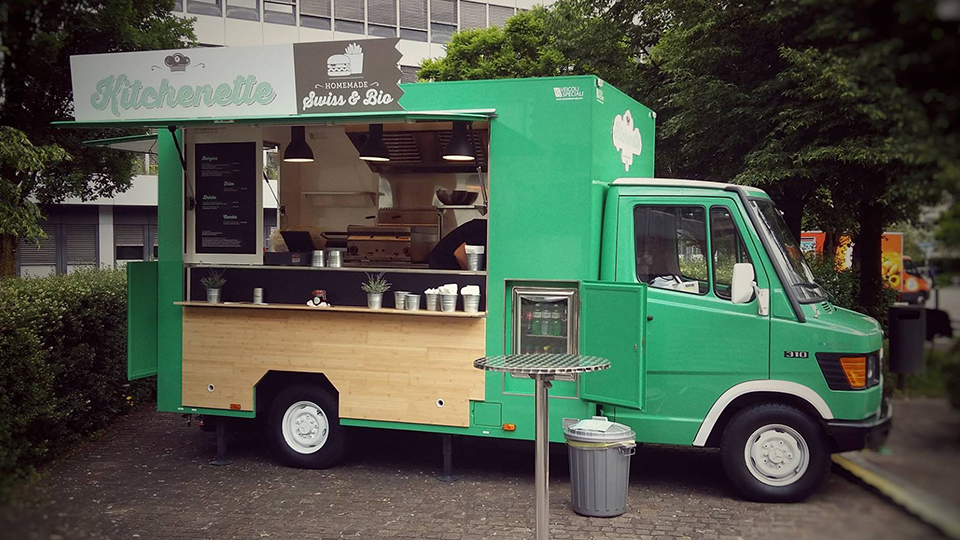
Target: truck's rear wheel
[304,428]
[774,453]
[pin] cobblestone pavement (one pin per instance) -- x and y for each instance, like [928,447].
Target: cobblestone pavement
[924,446]
[149,477]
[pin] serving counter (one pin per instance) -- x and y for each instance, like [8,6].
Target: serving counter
[420,362]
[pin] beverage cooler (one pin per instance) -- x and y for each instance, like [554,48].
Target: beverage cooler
[545,320]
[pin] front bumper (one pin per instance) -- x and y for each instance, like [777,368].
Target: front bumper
[857,435]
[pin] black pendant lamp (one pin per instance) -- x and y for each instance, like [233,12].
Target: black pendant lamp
[374,149]
[460,147]
[298,151]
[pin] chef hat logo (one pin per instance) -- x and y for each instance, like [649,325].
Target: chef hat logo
[177,62]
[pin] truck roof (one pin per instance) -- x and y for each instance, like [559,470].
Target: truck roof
[680,183]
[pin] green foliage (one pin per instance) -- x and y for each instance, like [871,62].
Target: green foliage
[948,227]
[21,160]
[62,365]
[36,89]
[375,284]
[840,110]
[843,287]
[213,280]
[522,48]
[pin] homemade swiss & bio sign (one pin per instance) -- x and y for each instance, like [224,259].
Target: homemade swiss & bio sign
[237,82]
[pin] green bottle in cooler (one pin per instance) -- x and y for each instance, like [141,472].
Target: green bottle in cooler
[537,323]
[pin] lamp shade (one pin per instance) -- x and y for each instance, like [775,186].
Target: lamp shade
[298,151]
[374,149]
[460,147]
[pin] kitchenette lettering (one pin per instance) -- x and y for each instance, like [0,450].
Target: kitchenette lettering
[119,92]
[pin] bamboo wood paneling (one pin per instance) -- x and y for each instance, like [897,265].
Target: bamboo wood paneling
[386,366]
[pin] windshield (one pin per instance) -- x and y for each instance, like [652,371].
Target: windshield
[788,254]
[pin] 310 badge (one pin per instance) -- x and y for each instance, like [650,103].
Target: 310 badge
[796,354]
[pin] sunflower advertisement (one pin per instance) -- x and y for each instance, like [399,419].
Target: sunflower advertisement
[891,254]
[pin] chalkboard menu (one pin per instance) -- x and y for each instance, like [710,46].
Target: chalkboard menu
[226,179]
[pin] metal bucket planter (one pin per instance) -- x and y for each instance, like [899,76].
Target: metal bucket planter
[213,296]
[374,300]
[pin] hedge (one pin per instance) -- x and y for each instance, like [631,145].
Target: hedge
[62,366]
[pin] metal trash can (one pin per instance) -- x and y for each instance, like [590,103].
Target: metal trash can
[908,329]
[599,451]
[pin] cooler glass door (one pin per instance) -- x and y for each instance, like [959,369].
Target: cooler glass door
[545,321]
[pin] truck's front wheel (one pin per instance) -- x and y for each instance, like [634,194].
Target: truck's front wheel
[774,453]
[304,428]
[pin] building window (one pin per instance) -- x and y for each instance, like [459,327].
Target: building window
[382,18]
[205,7]
[39,260]
[408,74]
[315,14]
[280,12]
[413,20]
[473,15]
[81,245]
[67,247]
[129,241]
[177,5]
[500,14]
[443,20]
[248,10]
[348,16]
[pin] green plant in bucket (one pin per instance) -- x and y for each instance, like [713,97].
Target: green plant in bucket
[214,280]
[375,284]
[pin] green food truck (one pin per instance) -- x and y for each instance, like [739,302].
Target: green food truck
[518,216]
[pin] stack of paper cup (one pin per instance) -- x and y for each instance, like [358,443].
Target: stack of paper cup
[433,299]
[318,259]
[448,297]
[474,257]
[471,298]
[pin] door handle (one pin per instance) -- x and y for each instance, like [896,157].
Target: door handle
[649,318]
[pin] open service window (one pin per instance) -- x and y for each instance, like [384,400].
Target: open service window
[224,224]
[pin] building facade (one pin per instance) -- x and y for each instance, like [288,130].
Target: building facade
[109,232]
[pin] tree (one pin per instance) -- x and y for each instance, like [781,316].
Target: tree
[839,110]
[522,48]
[21,164]
[36,42]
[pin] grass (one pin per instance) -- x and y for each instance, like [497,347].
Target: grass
[932,381]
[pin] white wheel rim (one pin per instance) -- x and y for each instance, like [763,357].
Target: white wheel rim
[776,455]
[305,427]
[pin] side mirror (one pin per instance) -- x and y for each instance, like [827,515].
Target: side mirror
[741,287]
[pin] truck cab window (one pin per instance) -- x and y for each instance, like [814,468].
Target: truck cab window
[728,249]
[670,247]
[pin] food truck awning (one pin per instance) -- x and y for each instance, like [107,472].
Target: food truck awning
[140,144]
[373,117]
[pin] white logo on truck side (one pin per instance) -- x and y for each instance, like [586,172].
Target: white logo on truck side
[626,139]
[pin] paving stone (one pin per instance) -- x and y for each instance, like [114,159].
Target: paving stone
[148,477]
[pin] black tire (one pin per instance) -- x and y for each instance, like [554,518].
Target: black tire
[757,423]
[324,453]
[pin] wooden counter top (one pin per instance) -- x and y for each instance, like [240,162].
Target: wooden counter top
[343,309]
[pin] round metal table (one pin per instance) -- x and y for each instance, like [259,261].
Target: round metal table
[542,368]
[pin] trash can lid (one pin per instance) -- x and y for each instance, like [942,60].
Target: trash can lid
[598,429]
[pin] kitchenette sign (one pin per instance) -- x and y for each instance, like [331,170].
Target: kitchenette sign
[237,82]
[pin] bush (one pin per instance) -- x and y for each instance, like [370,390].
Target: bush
[62,365]
[843,286]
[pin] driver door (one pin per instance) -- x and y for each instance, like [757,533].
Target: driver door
[697,342]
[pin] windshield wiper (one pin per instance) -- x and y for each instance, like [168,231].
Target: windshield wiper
[812,286]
